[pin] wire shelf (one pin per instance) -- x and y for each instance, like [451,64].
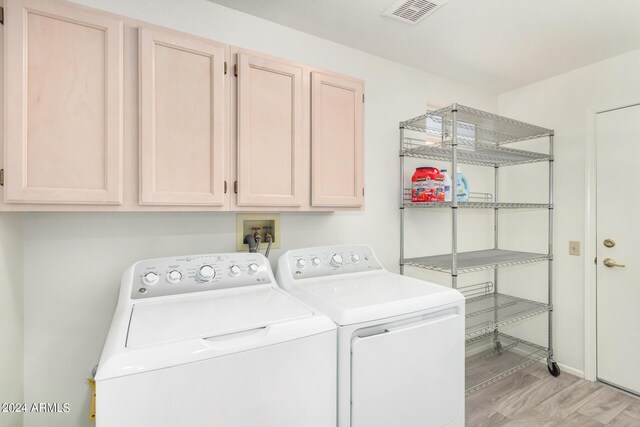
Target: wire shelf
[478,203]
[480,125]
[488,312]
[485,364]
[473,153]
[469,262]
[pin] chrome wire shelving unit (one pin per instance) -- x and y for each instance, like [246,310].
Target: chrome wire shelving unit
[460,134]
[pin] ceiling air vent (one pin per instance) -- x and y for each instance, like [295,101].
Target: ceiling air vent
[413,11]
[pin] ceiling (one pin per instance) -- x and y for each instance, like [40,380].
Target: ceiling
[496,45]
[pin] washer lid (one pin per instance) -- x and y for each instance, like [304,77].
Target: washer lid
[361,297]
[219,313]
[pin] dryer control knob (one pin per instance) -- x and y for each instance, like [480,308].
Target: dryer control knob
[206,273]
[253,268]
[174,276]
[315,262]
[150,278]
[234,270]
[336,260]
[355,258]
[301,263]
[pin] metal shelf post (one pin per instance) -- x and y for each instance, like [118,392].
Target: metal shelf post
[550,359]
[401,200]
[496,338]
[454,195]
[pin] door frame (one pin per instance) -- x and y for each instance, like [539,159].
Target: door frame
[590,244]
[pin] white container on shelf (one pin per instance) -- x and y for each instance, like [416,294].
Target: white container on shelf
[447,185]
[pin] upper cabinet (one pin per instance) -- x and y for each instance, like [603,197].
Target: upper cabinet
[183,155]
[337,178]
[107,113]
[272,147]
[63,127]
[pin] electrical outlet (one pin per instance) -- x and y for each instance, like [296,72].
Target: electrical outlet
[574,247]
[249,223]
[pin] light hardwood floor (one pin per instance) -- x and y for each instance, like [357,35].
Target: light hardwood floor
[532,397]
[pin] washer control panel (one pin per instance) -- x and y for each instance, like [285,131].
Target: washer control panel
[180,275]
[331,260]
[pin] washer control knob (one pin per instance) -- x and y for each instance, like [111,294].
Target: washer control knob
[315,262]
[150,278]
[253,268]
[234,270]
[336,260]
[206,273]
[174,276]
[355,258]
[301,263]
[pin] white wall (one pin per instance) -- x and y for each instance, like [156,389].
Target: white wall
[561,103]
[73,261]
[11,315]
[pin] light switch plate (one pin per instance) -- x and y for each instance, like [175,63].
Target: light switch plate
[245,223]
[574,247]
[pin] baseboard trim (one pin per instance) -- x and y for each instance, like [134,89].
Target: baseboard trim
[569,370]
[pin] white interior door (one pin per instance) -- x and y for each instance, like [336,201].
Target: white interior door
[618,287]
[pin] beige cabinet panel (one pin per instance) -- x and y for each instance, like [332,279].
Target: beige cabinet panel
[271,157]
[337,178]
[63,128]
[182,120]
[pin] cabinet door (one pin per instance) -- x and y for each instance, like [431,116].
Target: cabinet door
[336,141]
[271,161]
[182,135]
[63,116]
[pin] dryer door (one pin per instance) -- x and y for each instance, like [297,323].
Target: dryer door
[411,375]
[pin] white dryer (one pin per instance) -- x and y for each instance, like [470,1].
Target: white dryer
[210,340]
[400,340]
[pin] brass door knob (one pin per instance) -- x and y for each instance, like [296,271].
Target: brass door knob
[609,243]
[608,262]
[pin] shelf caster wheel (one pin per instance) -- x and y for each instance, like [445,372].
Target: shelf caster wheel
[497,346]
[553,368]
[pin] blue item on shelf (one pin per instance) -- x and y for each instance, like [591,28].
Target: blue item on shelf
[462,187]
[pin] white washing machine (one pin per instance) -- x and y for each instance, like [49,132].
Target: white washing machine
[210,340]
[400,340]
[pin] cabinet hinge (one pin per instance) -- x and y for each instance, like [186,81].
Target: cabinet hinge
[235,187]
[362,191]
[225,68]
[363,98]
[2,177]
[225,187]
[235,70]
[2,15]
